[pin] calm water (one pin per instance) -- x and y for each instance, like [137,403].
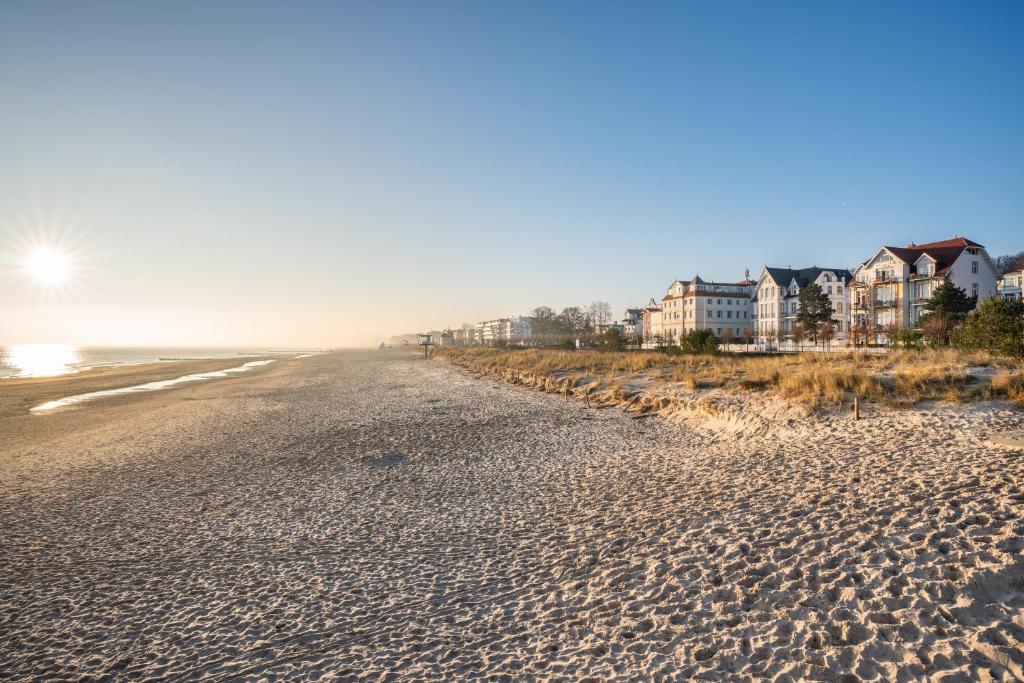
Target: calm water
[42,360]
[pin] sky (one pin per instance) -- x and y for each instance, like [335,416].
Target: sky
[333,173]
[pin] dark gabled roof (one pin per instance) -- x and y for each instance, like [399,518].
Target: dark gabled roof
[803,276]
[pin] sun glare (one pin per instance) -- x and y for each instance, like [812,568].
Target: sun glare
[47,266]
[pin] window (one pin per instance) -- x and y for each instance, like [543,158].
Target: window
[974,289]
[728,314]
[839,289]
[719,314]
[830,290]
[974,267]
[839,307]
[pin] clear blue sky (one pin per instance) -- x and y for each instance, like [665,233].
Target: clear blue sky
[331,173]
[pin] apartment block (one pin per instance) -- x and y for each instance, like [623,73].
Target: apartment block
[889,290]
[777,299]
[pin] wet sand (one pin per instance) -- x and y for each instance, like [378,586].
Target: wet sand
[20,394]
[355,515]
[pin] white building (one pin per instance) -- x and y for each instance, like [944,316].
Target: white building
[890,290]
[1010,285]
[652,323]
[722,307]
[777,299]
[633,322]
[512,331]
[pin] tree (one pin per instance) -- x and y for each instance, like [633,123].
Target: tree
[997,326]
[613,340]
[825,332]
[600,314]
[771,336]
[798,334]
[951,300]
[1010,262]
[859,332]
[815,307]
[726,338]
[572,319]
[543,323]
[936,328]
[699,341]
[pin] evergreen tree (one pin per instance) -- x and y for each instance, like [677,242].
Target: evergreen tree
[952,301]
[997,326]
[815,308]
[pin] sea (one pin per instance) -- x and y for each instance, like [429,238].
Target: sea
[45,360]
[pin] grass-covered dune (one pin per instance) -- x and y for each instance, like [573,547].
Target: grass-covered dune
[899,379]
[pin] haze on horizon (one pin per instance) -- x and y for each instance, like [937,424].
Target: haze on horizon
[331,174]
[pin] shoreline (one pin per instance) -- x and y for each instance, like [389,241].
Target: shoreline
[19,395]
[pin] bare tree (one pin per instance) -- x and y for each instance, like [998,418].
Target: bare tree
[858,331]
[771,335]
[826,331]
[798,334]
[572,319]
[600,313]
[726,338]
[543,323]
[936,328]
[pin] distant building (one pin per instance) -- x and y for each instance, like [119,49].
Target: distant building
[633,322]
[511,331]
[777,299]
[889,291]
[1011,284]
[722,307]
[651,323]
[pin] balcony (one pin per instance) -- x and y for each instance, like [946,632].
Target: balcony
[885,279]
[885,303]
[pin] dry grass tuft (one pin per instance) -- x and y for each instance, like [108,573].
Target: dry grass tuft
[811,379]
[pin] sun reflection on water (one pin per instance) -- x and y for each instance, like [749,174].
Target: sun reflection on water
[42,360]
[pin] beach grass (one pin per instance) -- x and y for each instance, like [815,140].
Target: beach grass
[899,378]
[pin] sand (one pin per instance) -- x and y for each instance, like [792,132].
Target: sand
[19,394]
[378,516]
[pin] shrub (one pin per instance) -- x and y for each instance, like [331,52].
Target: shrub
[699,341]
[613,340]
[997,326]
[568,345]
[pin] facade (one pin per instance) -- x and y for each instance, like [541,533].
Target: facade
[889,290]
[633,322]
[777,299]
[652,322]
[1011,284]
[468,335]
[512,331]
[722,307]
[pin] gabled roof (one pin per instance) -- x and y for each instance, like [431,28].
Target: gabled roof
[785,276]
[944,252]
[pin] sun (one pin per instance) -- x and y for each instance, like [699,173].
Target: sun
[47,266]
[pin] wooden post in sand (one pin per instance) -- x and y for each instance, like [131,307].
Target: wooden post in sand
[856,408]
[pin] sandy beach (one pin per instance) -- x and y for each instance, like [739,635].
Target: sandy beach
[364,516]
